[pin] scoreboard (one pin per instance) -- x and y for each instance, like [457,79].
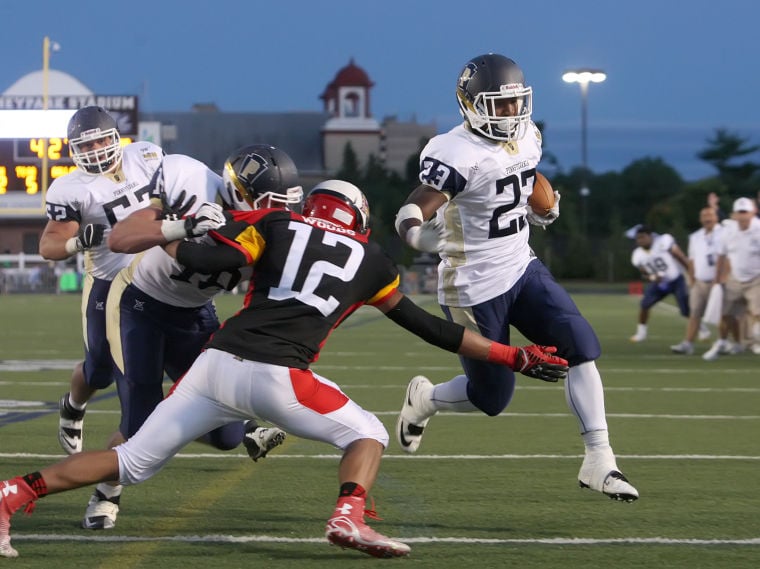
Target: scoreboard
[23,184]
[21,163]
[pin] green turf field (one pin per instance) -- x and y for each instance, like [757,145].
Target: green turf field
[482,492]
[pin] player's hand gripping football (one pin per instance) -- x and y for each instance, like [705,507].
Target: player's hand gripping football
[549,218]
[208,217]
[534,361]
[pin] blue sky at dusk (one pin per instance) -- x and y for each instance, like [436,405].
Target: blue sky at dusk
[676,71]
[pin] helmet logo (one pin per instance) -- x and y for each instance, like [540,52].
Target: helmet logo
[253,167]
[467,74]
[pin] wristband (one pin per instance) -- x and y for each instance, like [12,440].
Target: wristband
[173,229]
[501,354]
[408,211]
[72,246]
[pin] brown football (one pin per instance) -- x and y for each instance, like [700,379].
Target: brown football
[542,198]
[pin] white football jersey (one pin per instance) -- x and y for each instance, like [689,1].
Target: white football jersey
[658,260]
[160,276]
[703,252]
[742,249]
[488,184]
[105,199]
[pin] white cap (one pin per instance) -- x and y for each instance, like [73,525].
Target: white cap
[744,204]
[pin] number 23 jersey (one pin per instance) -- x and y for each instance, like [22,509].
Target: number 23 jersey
[308,276]
[488,184]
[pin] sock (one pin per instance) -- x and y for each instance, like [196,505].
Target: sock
[641,330]
[37,483]
[452,396]
[584,394]
[75,404]
[110,493]
[596,440]
[352,489]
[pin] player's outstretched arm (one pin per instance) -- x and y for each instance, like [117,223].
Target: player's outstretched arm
[534,361]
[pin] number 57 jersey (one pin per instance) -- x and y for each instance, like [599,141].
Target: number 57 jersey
[308,276]
[488,184]
[105,199]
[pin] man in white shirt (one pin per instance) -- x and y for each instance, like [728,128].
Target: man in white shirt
[658,258]
[702,260]
[738,270]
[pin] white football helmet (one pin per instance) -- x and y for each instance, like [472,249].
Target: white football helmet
[340,203]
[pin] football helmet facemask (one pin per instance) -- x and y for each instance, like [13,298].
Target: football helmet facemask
[340,203]
[260,176]
[89,125]
[484,83]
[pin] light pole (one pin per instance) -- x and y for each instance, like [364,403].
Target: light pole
[583,77]
[47,47]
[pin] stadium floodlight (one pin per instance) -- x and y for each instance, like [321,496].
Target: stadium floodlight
[583,77]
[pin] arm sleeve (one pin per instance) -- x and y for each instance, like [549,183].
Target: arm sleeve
[432,329]
[206,259]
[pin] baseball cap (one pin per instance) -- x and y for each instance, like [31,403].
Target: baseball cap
[744,204]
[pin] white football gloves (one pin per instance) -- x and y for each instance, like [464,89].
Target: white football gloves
[549,218]
[429,237]
[208,217]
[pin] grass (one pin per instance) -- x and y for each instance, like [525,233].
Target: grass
[483,492]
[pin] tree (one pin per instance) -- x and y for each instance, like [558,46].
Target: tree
[725,151]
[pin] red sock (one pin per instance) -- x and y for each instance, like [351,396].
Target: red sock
[16,492]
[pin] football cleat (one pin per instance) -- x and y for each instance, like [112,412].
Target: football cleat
[415,414]
[101,512]
[346,528]
[599,472]
[259,441]
[704,333]
[684,347]
[756,349]
[70,425]
[14,494]
[636,338]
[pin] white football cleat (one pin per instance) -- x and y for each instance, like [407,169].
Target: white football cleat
[70,425]
[415,414]
[101,512]
[258,441]
[599,472]
[684,347]
[636,338]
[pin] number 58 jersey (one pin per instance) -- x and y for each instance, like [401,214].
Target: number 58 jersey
[105,199]
[308,276]
[488,184]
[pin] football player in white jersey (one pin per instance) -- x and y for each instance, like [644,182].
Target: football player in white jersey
[661,262]
[702,254]
[110,182]
[471,208]
[160,314]
[739,271]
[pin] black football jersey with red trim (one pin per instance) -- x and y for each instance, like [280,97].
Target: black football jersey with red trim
[308,276]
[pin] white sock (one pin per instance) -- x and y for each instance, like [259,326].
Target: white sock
[109,491]
[584,394]
[452,395]
[596,440]
[76,405]
[641,329]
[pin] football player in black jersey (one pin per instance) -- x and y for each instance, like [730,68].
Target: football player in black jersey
[310,272]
